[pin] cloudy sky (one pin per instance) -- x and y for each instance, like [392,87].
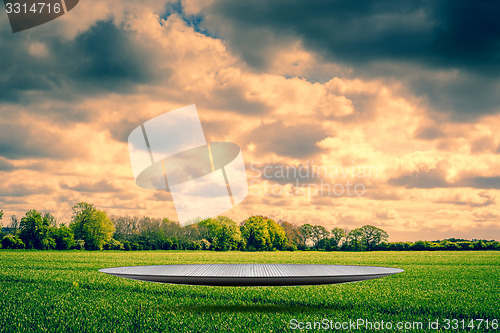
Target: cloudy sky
[398,98]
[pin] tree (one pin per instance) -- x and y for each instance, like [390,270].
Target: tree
[12,242]
[254,231]
[263,234]
[222,233]
[91,225]
[35,230]
[372,236]
[63,237]
[337,235]
[318,233]
[277,235]
[305,231]
[355,239]
[113,244]
[292,234]
[15,224]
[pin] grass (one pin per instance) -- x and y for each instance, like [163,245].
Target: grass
[63,292]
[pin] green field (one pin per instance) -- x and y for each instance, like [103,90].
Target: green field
[63,292]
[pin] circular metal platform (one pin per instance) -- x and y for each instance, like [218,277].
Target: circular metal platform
[251,274]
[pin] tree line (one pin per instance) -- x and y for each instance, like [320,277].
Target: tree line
[93,229]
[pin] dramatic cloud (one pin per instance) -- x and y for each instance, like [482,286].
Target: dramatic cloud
[102,186]
[400,99]
[447,50]
[288,141]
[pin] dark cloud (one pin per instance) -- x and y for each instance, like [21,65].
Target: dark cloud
[382,195]
[486,200]
[109,56]
[103,58]
[19,141]
[423,178]
[436,178]
[385,215]
[464,95]
[122,129]
[480,182]
[447,35]
[22,190]
[6,165]
[485,217]
[102,186]
[349,221]
[429,133]
[482,145]
[292,141]
[161,196]
[21,72]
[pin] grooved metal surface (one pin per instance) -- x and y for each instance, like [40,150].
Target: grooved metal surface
[251,274]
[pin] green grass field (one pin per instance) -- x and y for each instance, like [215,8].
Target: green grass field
[63,292]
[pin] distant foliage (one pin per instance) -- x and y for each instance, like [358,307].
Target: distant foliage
[113,244]
[221,233]
[91,225]
[64,238]
[263,234]
[35,230]
[92,229]
[12,242]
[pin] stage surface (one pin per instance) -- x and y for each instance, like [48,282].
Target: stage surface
[240,275]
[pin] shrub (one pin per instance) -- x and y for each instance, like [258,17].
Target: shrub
[64,238]
[113,244]
[79,244]
[204,244]
[12,242]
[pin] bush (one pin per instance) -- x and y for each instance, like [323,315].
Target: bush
[113,244]
[79,244]
[135,247]
[64,238]
[204,244]
[192,245]
[126,245]
[12,242]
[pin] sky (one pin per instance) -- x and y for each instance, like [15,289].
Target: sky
[389,108]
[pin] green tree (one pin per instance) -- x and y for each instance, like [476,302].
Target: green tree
[91,225]
[12,242]
[292,234]
[15,224]
[355,239]
[35,230]
[63,237]
[306,232]
[337,235]
[372,236]
[222,233]
[256,234]
[318,233]
[263,234]
[277,235]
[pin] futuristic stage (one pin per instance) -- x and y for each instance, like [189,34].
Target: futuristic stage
[239,275]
